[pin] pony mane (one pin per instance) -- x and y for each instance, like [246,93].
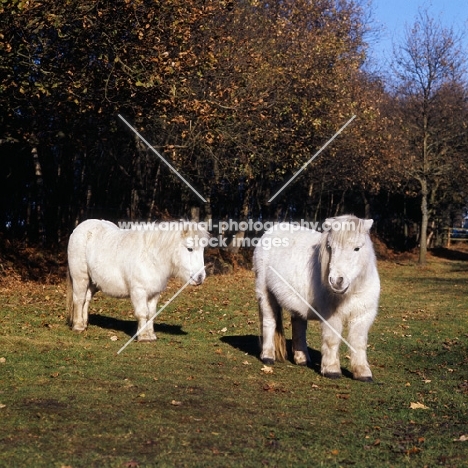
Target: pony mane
[165,233]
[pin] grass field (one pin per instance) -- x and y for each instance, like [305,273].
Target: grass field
[200,397]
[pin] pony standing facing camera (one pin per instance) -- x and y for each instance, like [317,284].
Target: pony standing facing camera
[329,276]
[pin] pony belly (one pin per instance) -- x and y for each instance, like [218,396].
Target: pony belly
[113,287]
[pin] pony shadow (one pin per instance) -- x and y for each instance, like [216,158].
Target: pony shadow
[129,327]
[315,360]
[250,345]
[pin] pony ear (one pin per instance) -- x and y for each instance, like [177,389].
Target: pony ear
[368,224]
[328,222]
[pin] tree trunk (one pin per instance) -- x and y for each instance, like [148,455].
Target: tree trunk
[39,197]
[424,224]
[367,210]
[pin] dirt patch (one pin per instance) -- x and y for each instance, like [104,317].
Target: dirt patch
[22,262]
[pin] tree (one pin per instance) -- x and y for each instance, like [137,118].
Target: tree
[429,67]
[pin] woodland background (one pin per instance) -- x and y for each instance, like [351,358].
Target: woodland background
[237,95]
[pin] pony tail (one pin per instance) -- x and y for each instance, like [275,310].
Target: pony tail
[280,340]
[70,308]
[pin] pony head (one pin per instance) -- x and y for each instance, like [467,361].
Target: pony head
[345,251]
[190,265]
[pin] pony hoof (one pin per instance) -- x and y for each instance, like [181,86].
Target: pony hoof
[301,363]
[364,379]
[147,340]
[268,361]
[78,330]
[332,375]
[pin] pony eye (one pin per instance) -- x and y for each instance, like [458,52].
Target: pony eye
[190,249]
[357,249]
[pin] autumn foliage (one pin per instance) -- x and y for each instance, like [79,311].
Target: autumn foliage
[237,95]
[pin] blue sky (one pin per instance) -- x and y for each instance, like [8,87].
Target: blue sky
[393,15]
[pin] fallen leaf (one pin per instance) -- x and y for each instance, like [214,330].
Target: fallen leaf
[267,370]
[54,375]
[224,330]
[315,386]
[343,396]
[413,450]
[2,360]
[246,363]
[463,438]
[2,406]
[114,338]
[131,464]
[176,403]
[418,406]
[334,452]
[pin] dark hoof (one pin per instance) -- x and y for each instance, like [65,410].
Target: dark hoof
[268,361]
[332,375]
[363,379]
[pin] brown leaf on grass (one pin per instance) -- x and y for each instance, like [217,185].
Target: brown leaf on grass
[462,438]
[343,396]
[131,464]
[267,370]
[413,450]
[176,403]
[418,406]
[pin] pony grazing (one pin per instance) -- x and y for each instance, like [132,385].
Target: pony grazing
[131,263]
[330,276]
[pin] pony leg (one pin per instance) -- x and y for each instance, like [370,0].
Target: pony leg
[299,342]
[152,305]
[331,338]
[82,295]
[89,295]
[271,325]
[143,307]
[357,337]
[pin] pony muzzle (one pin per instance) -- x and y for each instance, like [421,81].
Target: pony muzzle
[338,284]
[198,279]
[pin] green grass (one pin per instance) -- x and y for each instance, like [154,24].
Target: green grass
[198,397]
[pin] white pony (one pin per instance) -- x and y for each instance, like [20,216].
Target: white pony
[131,263]
[330,276]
